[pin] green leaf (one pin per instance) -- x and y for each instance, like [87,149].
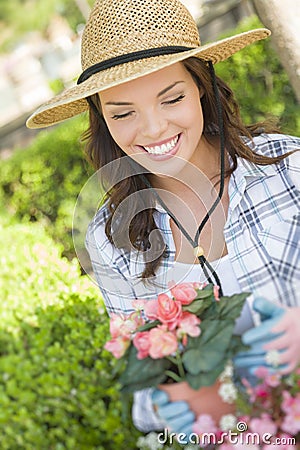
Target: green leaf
[209,349]
[147,326]
[236,346]
[144,383]
[138,372]
[205,292]
[204,378]
[198,306]
[196,361]
[119,367]
[232,306]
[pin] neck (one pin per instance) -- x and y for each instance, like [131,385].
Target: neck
[200,174]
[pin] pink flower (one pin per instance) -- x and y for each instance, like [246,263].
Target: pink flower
[150,309]
[216,292]
[291,406]
[204,424]
[261,391]
[142,343]
[261,372]
[117,346]
[263,424]
[291,424]
[188,325]
[271,379]
[185,293]
[115,324]
[121,325]
[169,311]
[163,342]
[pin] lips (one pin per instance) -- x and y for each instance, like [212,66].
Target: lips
[162,148]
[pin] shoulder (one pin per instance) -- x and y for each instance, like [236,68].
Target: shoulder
[95,235]
[273,145]
[100,218]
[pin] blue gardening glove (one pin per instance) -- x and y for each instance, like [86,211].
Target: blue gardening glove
[259,336]
[177,415]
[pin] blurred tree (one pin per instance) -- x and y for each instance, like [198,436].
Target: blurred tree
[283,19]
[83,7]
[18,16]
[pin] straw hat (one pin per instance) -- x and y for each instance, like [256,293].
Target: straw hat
[125,39]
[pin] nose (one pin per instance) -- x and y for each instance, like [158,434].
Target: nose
[153,124]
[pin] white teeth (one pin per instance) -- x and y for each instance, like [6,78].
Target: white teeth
[162,149]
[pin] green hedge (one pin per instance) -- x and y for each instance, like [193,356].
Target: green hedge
[56,388]
[260,83]
[41,183]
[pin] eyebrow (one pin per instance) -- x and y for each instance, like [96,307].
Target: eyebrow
[164,91]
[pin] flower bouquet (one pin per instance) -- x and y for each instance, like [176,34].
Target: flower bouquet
[270,408]
[267,415]
[186,336]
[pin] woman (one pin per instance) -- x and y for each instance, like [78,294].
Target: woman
[192,193]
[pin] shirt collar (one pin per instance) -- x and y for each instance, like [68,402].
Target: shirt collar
[240,178]
[243,175]
[249,169]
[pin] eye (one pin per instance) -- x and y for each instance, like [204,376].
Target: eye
[122,116]
[175,100]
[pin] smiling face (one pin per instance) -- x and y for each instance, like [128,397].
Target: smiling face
[157,119]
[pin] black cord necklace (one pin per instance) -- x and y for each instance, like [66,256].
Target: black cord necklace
[198,250]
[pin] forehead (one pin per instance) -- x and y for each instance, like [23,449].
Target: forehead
[153,82]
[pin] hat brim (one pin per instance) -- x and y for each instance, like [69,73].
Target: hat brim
[72,101]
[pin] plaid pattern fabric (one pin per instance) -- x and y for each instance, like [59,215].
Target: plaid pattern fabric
[262,233]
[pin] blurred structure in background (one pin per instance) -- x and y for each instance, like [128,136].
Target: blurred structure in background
[283,19]
[33,72]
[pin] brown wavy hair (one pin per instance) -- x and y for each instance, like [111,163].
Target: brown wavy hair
[101,149]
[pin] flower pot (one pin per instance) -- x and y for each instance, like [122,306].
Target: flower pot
[205,400]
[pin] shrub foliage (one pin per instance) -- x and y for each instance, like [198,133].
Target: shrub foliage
[41,183]
[56,386]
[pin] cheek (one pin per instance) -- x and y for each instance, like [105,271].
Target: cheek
[197,111]
[191,115]
[193,119]
[121,133]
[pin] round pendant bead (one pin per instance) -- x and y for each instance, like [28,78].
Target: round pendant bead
[198,251]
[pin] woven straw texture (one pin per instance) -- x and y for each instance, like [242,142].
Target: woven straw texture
[119,27]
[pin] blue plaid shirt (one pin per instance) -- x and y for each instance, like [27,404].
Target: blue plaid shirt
[262,234]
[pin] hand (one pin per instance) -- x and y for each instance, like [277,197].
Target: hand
[279,332]
[288,332]
[177,415]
